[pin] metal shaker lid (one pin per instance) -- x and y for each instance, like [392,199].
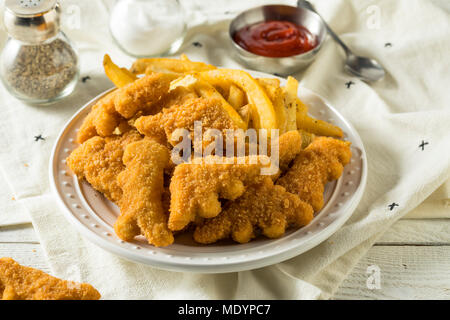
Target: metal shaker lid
[32,20]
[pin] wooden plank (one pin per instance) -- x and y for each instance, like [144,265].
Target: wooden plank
[423,231]
[404,232]
[28,254]
[406,272]
[413,257]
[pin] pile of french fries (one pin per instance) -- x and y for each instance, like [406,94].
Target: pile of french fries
[260,103]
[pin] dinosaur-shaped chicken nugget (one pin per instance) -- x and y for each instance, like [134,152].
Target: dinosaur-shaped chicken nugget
[196,187]
[99,161]
[322,161]
[23,283]
[263,205]
[142,183]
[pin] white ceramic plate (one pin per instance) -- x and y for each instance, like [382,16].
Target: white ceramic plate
[94,216]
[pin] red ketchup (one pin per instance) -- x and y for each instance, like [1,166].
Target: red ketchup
[275,39]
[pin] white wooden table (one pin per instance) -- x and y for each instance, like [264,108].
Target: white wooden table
[413,258]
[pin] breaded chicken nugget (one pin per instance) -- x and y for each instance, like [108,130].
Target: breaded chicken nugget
[142,94]
[196,187]
[147,95]
[209,112]
[23,283]
[99,161]
[322,161]
[263,206]
[107,118]
[102,120]
[152,127]
[289,144]
[142,183]
[87,129]
[178,96]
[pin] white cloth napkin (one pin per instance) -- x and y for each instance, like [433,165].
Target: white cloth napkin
[437,205]
[392,116]
[12,212]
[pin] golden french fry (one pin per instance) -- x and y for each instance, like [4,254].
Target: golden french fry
[236,97]
[276,95]
[318,127]
[224,90]
[184,57]
[291,89]
[148,65]
[186,81]
[119,76]
[269,81]
[301,106]
[264,115]
[204,89]
[245,113]
[307,138]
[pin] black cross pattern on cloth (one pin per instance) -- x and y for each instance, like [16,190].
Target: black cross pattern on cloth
[392,206]
[39,137]
[197,44]
[86,78]
[423,144]
[387,44]
[349,84]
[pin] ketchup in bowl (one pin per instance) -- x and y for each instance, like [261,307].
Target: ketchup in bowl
[275,39]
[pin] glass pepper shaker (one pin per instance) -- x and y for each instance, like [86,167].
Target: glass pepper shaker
[38,63]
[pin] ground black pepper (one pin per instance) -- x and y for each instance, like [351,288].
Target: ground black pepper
[42,71]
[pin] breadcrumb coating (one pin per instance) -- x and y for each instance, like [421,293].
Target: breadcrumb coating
[107,118]
[177,96]
[209,112]
[87,129]
[142,94]
[23,283]
[101,120]
[152,127]
[142,182]
[289,145]
[322,161]
[263,206]
[196,187]
[99,161]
